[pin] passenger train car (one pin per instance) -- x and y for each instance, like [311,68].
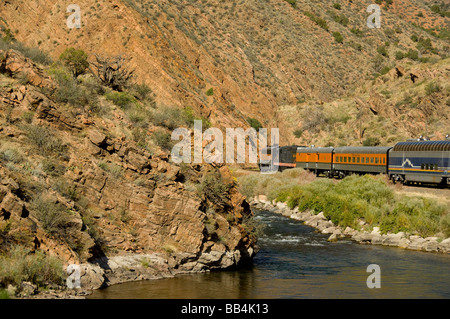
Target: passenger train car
[411,161]
[426,162]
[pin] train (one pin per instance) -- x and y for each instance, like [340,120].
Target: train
[413,161]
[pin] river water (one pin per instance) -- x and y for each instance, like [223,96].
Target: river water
[296,262]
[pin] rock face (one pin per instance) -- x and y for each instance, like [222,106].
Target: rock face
[118,207]
[14,64]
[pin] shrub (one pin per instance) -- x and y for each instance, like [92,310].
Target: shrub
[371,141]
[45,142]
[20,265]
[412,54]
[432,87]
[122,99]
[319,21]
[382,50]
[210,92]
[338,37]
[11,155]
[214,189]
[70,90]
[144,93]
[170,117]
[298,133]
[293,3]
[52,216]
[352,199]
[114,169]
[399,55]
[163,140]
[254,123]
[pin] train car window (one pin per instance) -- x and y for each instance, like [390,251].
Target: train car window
[367,160]
[435,167]
[353,159]
[422,166]
[371,160]
[349,159]
[376,160]
[384,160]
[357,160]
[426,166]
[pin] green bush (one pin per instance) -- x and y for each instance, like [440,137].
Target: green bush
[319,21]
[174,117]
[293,3]
[298,133]
[254,123]
[70,91]
[124,100]
[371,141]
[338,37]
[382,50]
[399,55]
[75,60]
[368,198]
[20,265]
[412,54]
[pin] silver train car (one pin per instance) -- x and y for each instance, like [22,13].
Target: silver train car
[420,161]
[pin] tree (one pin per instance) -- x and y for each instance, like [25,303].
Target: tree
[75,60]
[112,72]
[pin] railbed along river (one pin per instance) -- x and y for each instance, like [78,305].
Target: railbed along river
[295,262]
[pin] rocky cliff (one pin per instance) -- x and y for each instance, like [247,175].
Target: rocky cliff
[74,186]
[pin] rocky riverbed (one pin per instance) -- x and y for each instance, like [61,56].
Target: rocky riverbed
[368,235]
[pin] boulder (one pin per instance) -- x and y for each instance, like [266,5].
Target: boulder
[333,238]
[97,138]
[444,245]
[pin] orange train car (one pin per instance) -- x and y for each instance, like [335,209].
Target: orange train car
[316,159]
[343,161]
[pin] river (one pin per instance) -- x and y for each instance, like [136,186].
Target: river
[295,262]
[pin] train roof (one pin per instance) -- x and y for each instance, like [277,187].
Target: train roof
[362,149]
[422,146]
[314,149]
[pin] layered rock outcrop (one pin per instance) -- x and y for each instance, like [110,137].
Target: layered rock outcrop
[117,210]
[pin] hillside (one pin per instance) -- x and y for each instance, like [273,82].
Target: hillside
[85,173]
[258,57]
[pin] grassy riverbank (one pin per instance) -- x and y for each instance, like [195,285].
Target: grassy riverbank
[347,202]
